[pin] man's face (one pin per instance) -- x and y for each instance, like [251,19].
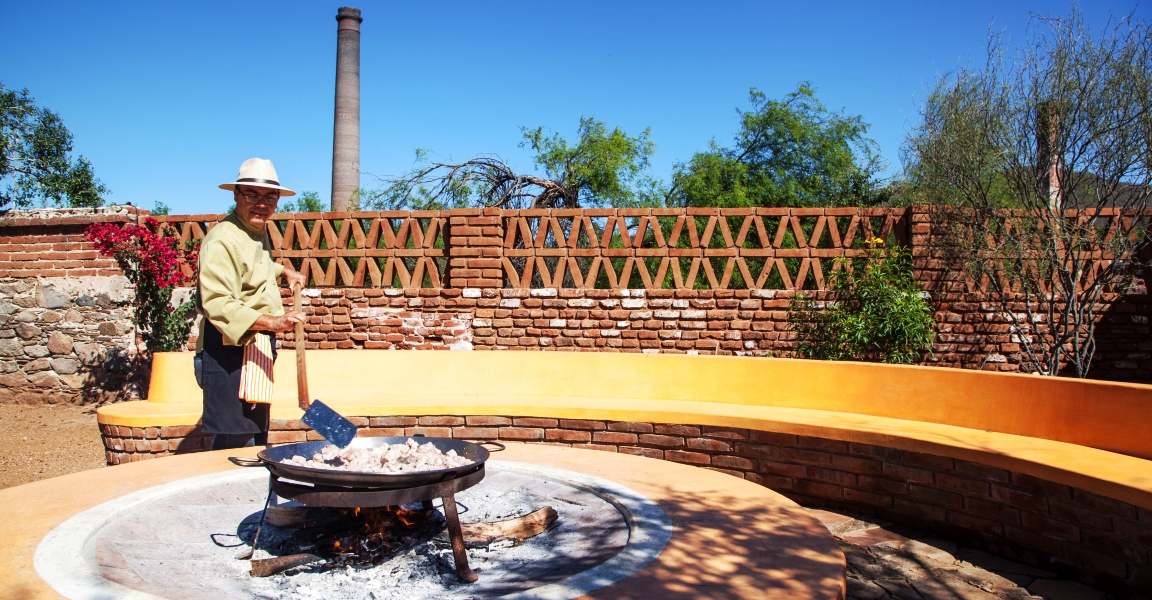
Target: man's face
[255,205]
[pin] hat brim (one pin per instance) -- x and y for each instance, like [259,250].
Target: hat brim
[232,186]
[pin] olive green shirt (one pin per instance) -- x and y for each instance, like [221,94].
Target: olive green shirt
[238,281]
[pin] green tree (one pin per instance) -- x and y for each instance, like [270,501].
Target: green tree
[307,202]
[790,152]
[603,168]
[34,158]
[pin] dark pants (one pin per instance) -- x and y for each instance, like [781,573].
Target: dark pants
[234,422]
[223,441]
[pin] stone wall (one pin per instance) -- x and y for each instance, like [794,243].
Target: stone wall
[66,333]
[1103,542]
[65,339]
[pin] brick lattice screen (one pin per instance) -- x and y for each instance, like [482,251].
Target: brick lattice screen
[717,249]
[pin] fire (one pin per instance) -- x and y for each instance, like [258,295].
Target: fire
[368,535]
[410,518]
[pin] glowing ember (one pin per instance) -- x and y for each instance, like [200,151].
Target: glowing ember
[368,536]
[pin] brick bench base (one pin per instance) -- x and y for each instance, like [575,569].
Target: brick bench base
[1100,541]
[130,444]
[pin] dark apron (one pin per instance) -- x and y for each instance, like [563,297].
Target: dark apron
[224,411]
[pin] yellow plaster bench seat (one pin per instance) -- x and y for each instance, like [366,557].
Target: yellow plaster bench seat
[1060,430]
[1032,468]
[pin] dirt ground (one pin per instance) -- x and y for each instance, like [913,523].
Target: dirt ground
[47,441]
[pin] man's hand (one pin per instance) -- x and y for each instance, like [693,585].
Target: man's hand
[294,278]
[285,322]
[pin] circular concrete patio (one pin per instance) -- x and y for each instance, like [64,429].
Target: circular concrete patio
[731,538]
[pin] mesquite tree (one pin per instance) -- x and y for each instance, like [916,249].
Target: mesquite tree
[603,168]
[789,152]
[1040,165]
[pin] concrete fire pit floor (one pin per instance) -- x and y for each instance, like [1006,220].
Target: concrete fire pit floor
[731,538]
[179,541]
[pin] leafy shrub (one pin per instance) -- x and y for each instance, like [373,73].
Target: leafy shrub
[154,261]
[875,312]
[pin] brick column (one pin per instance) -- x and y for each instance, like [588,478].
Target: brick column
[922,241]
[475,248]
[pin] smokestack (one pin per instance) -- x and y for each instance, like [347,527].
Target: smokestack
[1047,157]
[346,129]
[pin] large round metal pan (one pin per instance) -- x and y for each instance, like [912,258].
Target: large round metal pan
[382,481]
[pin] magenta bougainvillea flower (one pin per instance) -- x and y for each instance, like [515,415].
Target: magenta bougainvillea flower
[160,258]
[156,263]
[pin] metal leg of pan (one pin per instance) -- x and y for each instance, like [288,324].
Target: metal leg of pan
[457,537]
[247,554]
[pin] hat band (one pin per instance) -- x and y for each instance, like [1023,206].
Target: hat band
[254,180]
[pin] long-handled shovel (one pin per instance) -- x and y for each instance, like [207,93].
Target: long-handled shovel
[317,415]
[323,420]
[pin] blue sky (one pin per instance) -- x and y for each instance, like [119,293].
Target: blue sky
[167,99]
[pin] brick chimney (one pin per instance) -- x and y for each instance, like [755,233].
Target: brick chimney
[346,128]
[1047,138]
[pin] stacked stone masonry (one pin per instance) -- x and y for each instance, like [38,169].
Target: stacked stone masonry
[1102,542]
[65,312]
[65,340]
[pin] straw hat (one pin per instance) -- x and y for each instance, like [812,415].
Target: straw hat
[258,172]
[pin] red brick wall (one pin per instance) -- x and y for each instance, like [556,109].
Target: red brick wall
[52,248]
[461,278]
[1100,541]
[974,333]
[743,322]
[473,241]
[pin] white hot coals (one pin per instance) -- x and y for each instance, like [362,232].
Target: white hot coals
[409,457]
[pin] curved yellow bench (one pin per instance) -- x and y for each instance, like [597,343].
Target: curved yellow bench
[1026,466]
[1079,432]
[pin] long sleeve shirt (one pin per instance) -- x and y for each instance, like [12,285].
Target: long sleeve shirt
[238,281]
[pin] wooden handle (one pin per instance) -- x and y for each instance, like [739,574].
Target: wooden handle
[301,367]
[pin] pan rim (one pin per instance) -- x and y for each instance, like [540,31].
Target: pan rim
[368,479]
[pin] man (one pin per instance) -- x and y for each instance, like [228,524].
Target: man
[239,300]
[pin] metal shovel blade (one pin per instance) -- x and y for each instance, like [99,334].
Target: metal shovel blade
[329,424]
